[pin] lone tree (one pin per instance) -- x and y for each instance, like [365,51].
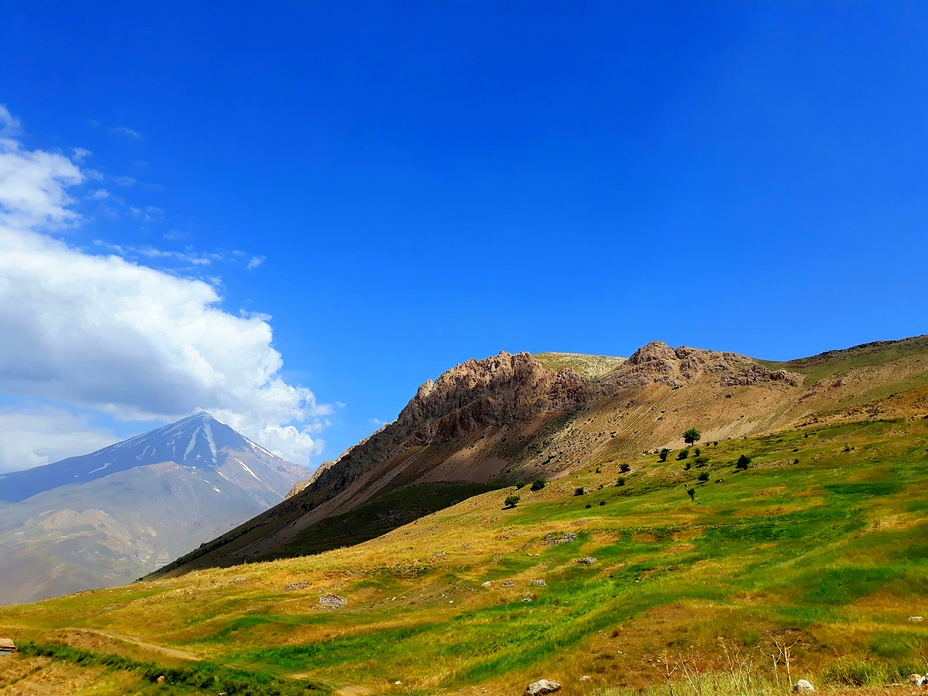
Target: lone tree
[538,484]
[512,501]
[664,453]
[625,468]
[692,435]
[691,492]
[743,463]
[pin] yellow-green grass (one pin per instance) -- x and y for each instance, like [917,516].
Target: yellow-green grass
[831,550]
[590,366]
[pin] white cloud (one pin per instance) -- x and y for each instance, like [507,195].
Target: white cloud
[254,262]
[32,186]
[124,180]
[9,126]
[37,436]
[122,130]
[102,332]
[80,154]
[100,194]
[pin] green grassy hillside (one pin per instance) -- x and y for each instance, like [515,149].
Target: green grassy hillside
[822,541]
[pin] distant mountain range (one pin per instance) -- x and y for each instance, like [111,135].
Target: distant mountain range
[109,517]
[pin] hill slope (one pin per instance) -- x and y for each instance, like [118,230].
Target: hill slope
[108,517]
[819,544]
[495,421]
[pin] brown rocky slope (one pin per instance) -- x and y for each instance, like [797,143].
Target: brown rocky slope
[509,417]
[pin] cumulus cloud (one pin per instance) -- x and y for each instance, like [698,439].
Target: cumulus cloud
[103,332]
[33,184]
[254,262]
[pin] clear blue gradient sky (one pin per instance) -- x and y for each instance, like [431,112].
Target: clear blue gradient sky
[429,182]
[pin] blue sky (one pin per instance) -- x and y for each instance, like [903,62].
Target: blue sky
[402,186]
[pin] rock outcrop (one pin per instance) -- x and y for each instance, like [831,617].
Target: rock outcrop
[658,363]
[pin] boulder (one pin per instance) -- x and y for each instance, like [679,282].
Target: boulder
[332,601]
[916,619]
[589,560]
[803,687]
[542,686]
[538,583]
[487,584]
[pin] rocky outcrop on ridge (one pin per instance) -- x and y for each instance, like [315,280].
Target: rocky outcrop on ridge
[658,363]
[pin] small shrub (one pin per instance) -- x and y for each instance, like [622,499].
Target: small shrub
[692,435]
[743,462]
[664,453]
[691,492]
[704,476]
[512,501]
[602,502]
[683,454]
[538,484]
[598,470]
[795,461]
[625,468]
[688,465]
[621,481]
[696,451]
[702,461]
[579,491]
[520,484]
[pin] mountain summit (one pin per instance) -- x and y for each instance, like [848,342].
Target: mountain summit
[110,516]
[199,441]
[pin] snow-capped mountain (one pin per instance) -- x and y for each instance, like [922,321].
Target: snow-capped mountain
[198,442]
[113,515]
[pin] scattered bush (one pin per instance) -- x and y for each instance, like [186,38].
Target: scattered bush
[696,451]
[704,476]
[520,484]
[621,481]
[688,465]
[743,462]
[692,435]
[691,492]
[602,502]
[598,471]
[683,454]
[664,453]
[625,468]
[579,491]
[589,505]
[538,484]
[702,461]
[512,501]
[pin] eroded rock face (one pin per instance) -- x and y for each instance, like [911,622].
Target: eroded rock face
[659,363]
[496,391]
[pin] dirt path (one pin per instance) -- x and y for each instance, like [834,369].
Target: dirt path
[170,652]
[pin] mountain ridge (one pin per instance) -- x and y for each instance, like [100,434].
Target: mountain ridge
[499,419]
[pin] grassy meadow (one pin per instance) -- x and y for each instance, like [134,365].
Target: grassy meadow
[806,564]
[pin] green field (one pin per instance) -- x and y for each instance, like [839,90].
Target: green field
[822,541]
